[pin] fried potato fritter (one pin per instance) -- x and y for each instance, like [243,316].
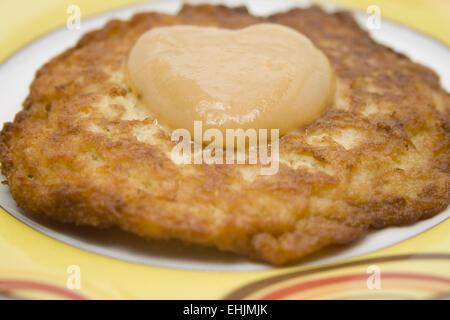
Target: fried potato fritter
[84,150]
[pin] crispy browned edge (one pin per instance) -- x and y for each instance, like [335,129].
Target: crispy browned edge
[292,226]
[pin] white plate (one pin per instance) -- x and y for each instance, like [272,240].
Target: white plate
[17,72]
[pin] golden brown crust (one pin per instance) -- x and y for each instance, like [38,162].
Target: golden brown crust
[83,151]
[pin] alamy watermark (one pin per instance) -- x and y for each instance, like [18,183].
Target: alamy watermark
[73,281]
[262,147]
[373,21]
[373,282]
[74,20]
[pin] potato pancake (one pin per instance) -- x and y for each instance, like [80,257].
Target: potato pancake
[84,150]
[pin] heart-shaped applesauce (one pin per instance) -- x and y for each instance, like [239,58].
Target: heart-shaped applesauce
[263,76]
